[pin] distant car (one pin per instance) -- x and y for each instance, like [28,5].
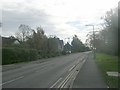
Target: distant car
[68,52]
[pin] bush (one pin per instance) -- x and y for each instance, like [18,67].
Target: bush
[15,55]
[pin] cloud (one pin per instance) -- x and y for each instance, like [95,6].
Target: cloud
[62,18]
[20,14]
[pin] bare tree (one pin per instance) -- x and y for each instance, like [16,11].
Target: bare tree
[24,32]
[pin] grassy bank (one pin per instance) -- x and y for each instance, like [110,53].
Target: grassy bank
[108,63]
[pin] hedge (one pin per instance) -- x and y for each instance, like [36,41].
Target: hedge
[15,55]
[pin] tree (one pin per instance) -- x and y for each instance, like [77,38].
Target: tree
[23,33]
[77,45]
[94,42]
[110,31]
[38,39]
[53,44]
[106,40]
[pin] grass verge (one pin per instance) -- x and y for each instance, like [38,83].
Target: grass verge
[108,63]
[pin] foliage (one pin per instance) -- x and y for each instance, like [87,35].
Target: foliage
[15,55]
[35,44]
[47,47]
[110,32]
[38,40]
[77,45]
[106,40]
[53,44]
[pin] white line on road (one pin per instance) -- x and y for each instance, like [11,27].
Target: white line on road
[71,67]
[64,80]
[55,83]
[67,78]
[11,80]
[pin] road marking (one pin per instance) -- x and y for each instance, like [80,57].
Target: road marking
[71,67]
[67,80]
[64,80]
[55,83]
[11,80]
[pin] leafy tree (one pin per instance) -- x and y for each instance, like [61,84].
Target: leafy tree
[38,39]
[94,40]
[77,45]
[106,40]
[53,43]
[110,31]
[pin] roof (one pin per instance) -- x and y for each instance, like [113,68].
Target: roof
[8,40]
[67,47]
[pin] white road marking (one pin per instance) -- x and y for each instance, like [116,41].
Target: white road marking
[11,80]
[55,83]
[71,67]
[67,78]
[64,80]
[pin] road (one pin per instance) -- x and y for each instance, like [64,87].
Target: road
[58,72]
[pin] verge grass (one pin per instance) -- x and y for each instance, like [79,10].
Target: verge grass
[108,63]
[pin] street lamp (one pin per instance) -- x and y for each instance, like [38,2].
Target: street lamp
[93,39]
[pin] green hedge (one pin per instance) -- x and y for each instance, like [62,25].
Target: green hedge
[15,55]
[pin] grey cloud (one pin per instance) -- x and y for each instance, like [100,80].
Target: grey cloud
[77,24]
[13,18]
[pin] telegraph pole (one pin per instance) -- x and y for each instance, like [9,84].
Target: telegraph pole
[93,48]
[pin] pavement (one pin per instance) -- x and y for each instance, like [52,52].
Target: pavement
[89,75]
[76,70]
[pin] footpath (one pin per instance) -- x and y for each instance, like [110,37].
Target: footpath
[89,75]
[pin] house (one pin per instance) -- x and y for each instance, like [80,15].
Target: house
[67,48]
[9,41]
[60,45]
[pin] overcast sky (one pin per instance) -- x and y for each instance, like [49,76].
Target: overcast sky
[62,18]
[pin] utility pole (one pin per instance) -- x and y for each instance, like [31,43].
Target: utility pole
[93,40]
[0,24]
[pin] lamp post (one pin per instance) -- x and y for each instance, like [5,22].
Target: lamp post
[93,40]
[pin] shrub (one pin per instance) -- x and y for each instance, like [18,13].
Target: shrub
[15,55]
